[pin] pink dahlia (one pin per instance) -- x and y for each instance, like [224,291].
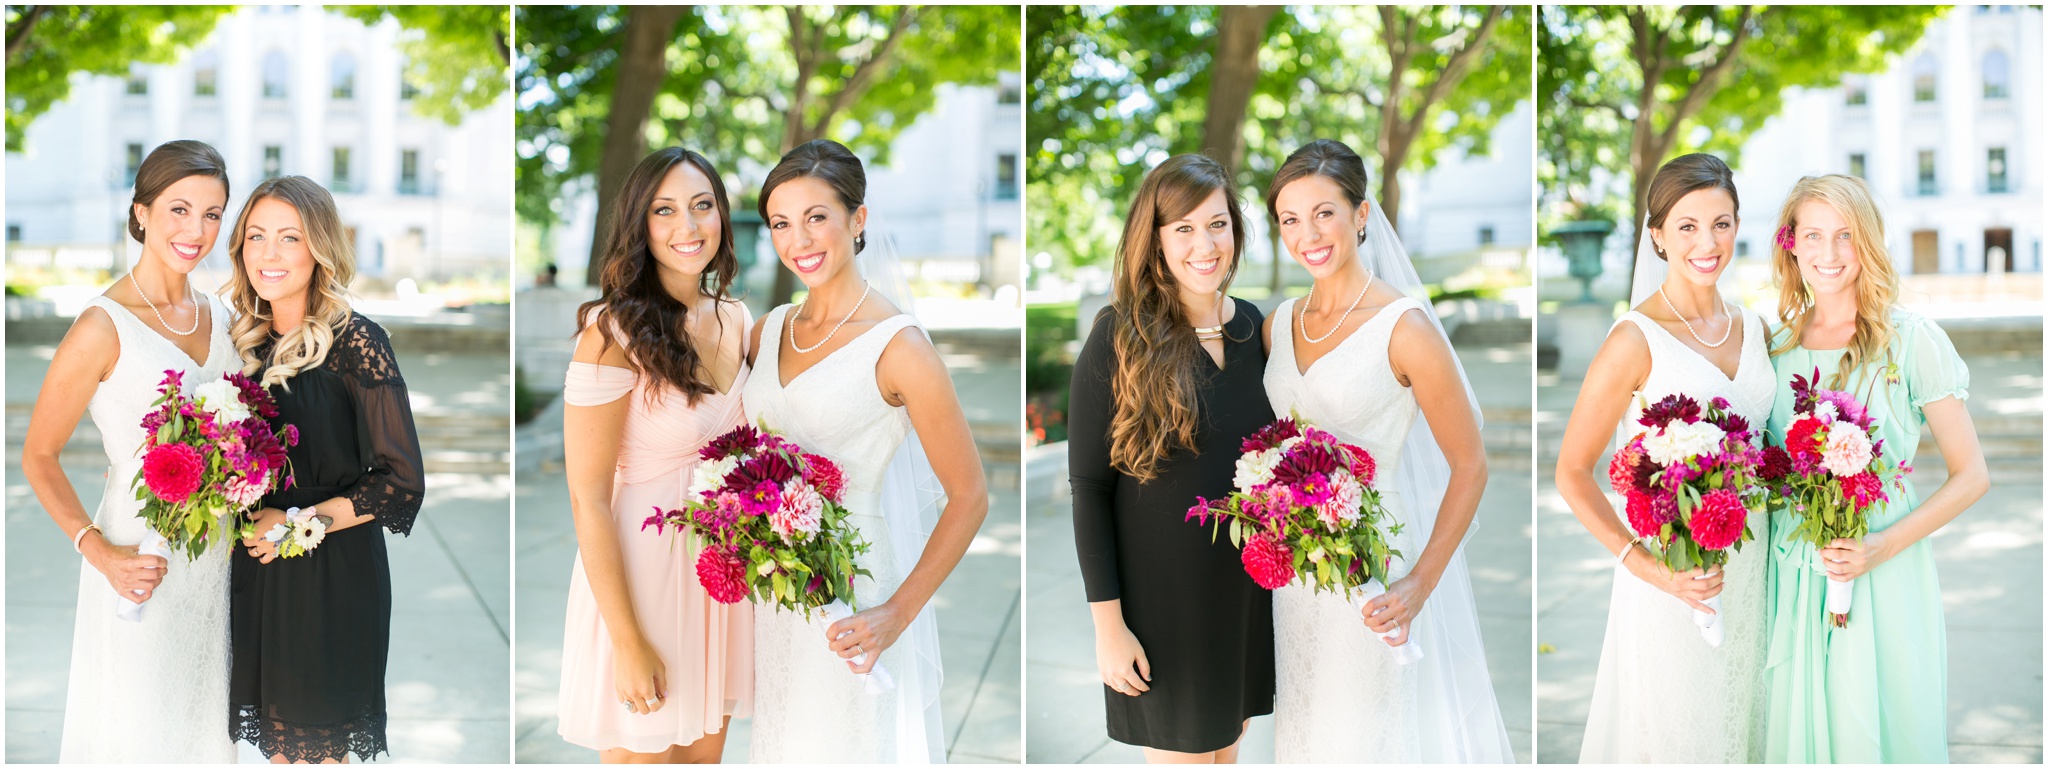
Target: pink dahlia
[723,573]
[1717,523]
[800,512]
[1342,506]
[1863,490]
[243,491]
[1268,560]
[1621,470]
[826,477]
[1362,464]
[173,471]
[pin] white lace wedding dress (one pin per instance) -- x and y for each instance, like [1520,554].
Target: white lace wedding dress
[809,708]
[1662,694]
[1341,696]
[153,691]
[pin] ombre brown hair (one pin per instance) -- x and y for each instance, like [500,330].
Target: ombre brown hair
[1157,355]
[1682,176]
[654,325]
[327,306]
[1877,283]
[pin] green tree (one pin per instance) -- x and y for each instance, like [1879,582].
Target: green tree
[1115,91]
[742,85]
[455,55]
[47,43]
[1624,88]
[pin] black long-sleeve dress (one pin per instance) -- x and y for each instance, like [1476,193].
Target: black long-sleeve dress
[1206,627]
[310,634]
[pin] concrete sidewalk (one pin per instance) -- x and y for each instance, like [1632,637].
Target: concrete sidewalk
[448,679]
[1065,694]
[1989,560]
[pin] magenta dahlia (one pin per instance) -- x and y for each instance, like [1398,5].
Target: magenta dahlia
[173,471]
[827,477]
[1268,560]
[1863,490]
[1718,521]
[1362,464]
[723,573]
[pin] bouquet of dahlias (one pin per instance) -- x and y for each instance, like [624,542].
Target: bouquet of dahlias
[1305,509]
[772,527]
[1830,472]
[207,454]
[1689,481]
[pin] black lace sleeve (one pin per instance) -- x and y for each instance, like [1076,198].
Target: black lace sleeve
[1093,478]
[393,482]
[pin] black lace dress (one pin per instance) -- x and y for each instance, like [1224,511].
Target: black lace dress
[310,634]
[1206,627]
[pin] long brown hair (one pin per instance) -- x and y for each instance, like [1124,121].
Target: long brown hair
[655,325]
[1157,354]
[1877,283]
[327,307]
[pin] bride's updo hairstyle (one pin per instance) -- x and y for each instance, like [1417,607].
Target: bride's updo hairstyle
[654,326]
[1682,176]
[1332,160]
[1877,282]
[827,161]
[327,307]
[171,162]
[1157,354]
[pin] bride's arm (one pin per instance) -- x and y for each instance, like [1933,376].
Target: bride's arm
[83,360]
[911,375]
[1423,360]
[1618,370]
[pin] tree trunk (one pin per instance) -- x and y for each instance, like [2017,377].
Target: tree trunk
[1233,74]
[640,70]
[17,36]
[1399,31]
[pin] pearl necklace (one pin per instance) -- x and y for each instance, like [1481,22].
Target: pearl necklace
[160,313]
[1688,324]
[866,287]
[1301,315]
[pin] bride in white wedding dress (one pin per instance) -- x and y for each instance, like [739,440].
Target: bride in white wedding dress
[154,690]
[840,376]
[1663,694]
[1363,357]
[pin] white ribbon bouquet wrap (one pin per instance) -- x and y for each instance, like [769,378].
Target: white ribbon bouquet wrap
[1709,623]
[877,678]
[1408,653]
[152,544]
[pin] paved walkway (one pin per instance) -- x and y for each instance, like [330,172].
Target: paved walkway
[1989,559]
[979,611]
[1065,696]
[450,643]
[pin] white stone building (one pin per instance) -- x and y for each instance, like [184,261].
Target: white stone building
[278,90]
[1949,137]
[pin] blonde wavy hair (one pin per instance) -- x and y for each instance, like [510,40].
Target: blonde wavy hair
[327,307]
[1877,283]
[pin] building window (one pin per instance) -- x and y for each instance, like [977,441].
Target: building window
[341,170]
[134,162]
[1856,92]
[1006,176]
[1856,167]
[1997,75]
[138,81]
[1741,249]
[206,74]
[406,90]
[273,161]
[1994,170]
[276,73]
[1009,93]
[1486,235]
[1927,185]
[409,172]
[344,76]
[14,233]
[1925,73]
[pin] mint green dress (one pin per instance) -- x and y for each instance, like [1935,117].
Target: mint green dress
[1877,690]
